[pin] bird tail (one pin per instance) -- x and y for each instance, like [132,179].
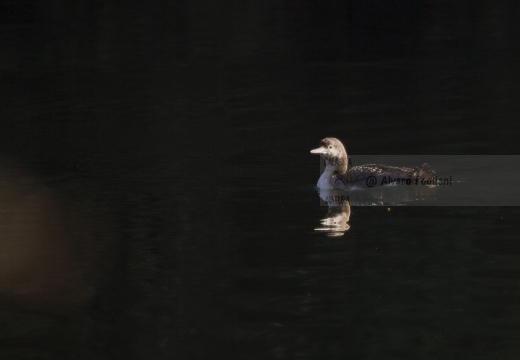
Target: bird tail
[423,172]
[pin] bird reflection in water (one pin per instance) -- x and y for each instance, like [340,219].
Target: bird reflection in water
[335,223]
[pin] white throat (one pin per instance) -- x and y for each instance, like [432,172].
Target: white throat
[332,166]
[324,182]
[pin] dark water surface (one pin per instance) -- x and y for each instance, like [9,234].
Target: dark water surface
[170,212]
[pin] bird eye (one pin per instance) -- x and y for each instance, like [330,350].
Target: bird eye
[330,146]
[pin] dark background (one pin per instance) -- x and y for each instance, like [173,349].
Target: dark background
[417,59]
[178,133]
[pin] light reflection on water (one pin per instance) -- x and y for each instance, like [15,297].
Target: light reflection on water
[45,245]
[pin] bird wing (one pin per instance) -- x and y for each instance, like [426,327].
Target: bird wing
[358,175]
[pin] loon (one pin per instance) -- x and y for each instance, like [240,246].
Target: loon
[336,176]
